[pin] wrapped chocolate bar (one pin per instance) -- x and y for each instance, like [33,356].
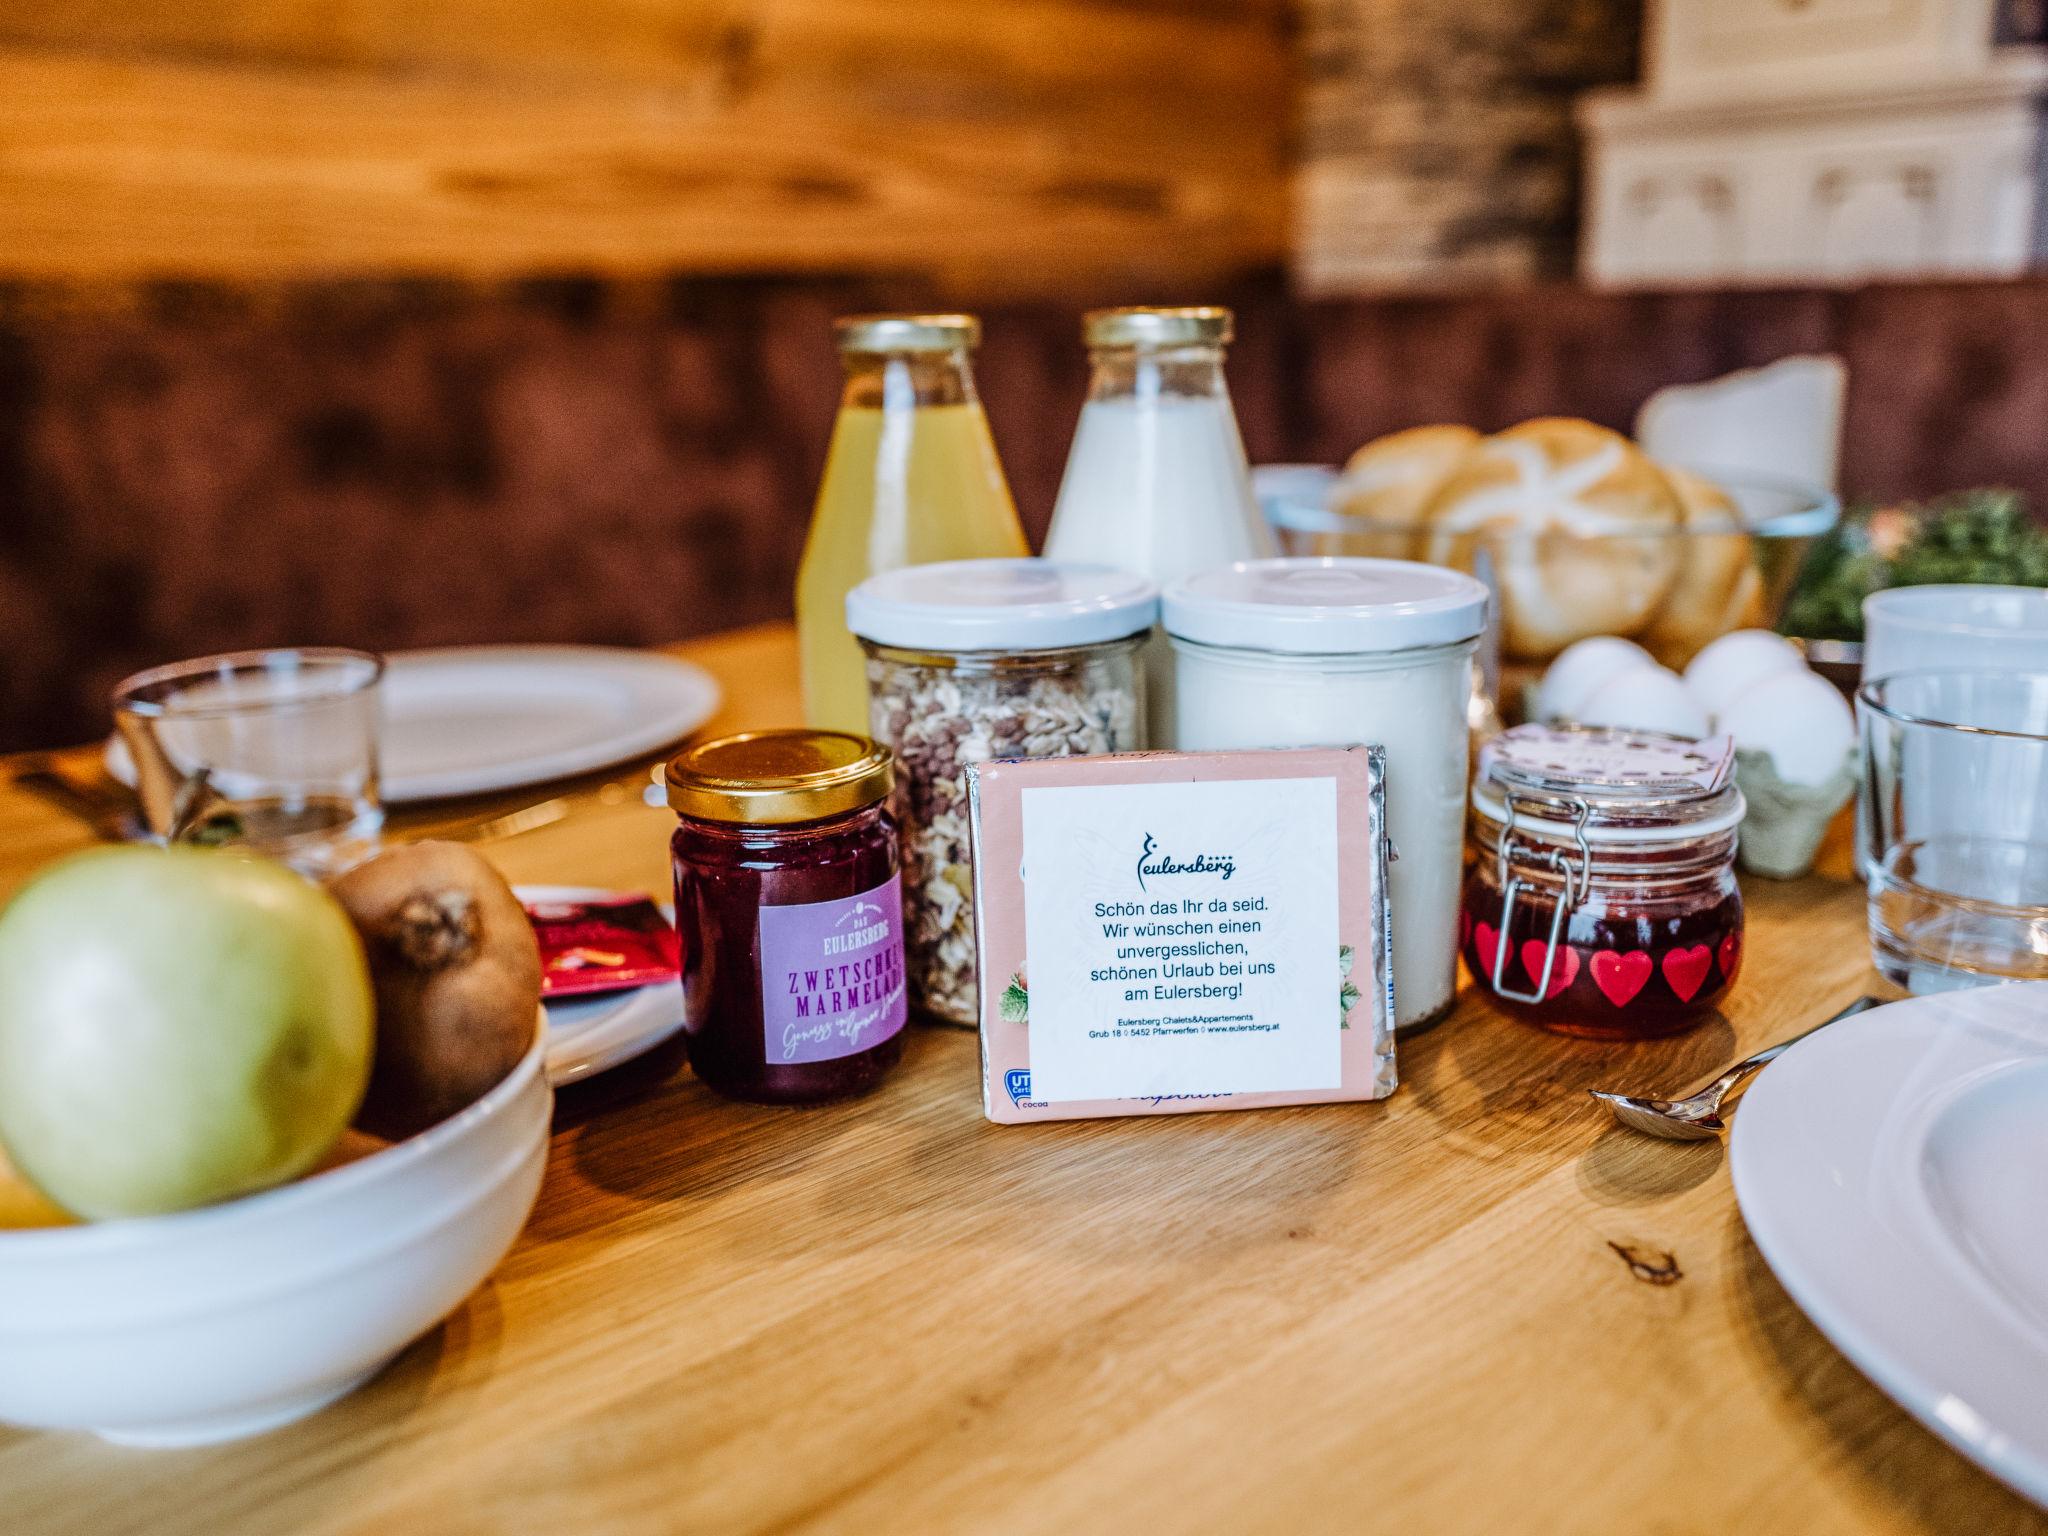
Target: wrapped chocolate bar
[601,942]
[1174,931]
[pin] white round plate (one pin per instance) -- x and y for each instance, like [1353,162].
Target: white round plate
[469,719]
[1893,1170]
[589,1035]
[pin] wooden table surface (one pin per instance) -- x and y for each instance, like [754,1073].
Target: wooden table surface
[1475,1307]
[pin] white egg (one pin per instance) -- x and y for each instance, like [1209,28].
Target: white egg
[1581,667]
[1800,719]
[1648,698]
[1736,662]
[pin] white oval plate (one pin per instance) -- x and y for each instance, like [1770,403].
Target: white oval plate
[1893,1170]
[589,1035]
[469,719]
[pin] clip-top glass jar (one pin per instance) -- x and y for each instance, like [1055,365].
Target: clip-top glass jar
[789,906]
[1601,898]
[970,660]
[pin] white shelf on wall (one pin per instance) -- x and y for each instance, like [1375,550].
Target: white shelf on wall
[1710,48]
[1830,141]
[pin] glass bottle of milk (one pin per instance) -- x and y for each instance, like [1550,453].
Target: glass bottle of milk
[1156,482]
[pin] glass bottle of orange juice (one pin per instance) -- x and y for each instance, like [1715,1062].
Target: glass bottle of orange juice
[911,478]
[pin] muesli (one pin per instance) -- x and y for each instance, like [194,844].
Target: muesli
[941,719]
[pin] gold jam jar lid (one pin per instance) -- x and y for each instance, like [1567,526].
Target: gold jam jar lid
[769,778]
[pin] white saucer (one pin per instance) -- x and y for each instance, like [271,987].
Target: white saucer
[589,1035]
[593,1034]
[1893,1170]
[468,719]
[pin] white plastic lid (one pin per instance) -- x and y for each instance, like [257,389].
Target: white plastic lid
[1326,607]
[1001,605]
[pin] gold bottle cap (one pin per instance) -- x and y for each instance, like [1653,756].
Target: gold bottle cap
[1205,325]
[776,777]
[906,333]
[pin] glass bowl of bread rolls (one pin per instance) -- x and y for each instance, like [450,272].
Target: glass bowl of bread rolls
[1576,530]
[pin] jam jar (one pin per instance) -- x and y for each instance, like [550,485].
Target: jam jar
[789,907]
[1600,894]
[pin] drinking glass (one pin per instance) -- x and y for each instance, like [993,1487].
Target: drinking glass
[1965,627]
[275,751]
[1953,826]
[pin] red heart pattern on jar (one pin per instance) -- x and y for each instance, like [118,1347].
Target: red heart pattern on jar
[1731,955]
[1563,971]
[1621,974]
[1486,944]
[1686,970]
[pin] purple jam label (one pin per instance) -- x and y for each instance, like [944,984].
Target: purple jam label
[832,975]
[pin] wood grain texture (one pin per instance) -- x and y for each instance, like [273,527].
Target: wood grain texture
[1438,144]
[890,1315]
[1013,143]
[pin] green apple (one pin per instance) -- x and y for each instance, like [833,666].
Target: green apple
[177,1026]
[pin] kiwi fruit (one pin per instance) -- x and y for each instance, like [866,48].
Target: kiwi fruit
[457,976]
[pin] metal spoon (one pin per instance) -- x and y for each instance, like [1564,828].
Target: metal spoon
[1699,1117]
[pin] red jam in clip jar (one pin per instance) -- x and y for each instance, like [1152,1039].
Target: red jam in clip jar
[789,907]
[1600,896]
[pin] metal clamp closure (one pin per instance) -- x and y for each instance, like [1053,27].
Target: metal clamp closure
[1576,880]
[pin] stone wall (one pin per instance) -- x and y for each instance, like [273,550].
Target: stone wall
[1437,142]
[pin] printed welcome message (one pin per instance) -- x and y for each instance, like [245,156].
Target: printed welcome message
[1182,938]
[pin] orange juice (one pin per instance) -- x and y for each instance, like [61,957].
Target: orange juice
[911,477]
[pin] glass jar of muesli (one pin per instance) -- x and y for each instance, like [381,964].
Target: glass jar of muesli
[974,660]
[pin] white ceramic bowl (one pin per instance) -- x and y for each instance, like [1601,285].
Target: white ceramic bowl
[227,1321]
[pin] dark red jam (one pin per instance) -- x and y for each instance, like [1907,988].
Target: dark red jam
[791,930]
[1625,969]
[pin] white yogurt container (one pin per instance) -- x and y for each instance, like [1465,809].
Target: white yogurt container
[1348,652]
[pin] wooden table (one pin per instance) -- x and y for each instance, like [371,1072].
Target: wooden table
[1476,1307]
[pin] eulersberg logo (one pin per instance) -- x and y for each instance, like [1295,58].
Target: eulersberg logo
[1154,863]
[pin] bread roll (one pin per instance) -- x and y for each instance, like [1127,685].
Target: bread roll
[1391,479]
[1577,522]
[1718,588]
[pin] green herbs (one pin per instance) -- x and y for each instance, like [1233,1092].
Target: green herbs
[1976,536]
[1981,535]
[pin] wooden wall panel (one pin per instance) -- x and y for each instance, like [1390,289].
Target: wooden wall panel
[1013,143]
[1438,145]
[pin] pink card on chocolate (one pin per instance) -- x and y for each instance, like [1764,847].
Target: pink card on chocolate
[1166,932]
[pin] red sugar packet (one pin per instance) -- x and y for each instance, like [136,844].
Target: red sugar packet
[602,944]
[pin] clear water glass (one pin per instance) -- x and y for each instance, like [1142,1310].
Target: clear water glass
[1961,626]
[1953,826]
[274,751]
